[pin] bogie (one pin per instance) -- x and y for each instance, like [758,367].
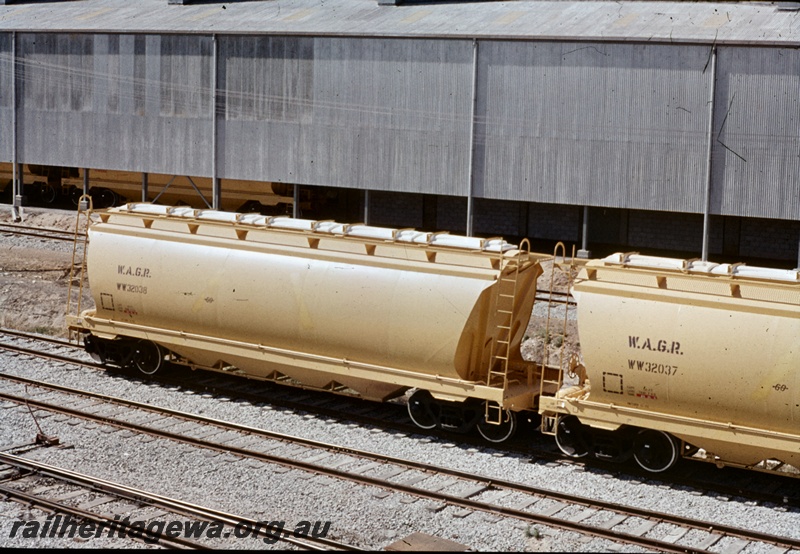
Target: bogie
[144,355]
[654,451]
[460,417]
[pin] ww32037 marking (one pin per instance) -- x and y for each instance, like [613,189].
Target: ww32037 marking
[653,367]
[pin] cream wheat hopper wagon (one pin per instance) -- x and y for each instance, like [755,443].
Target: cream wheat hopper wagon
[679,358]
[345,308]
[684,358]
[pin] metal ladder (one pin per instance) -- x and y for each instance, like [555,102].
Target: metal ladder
[505,308]
[75,297]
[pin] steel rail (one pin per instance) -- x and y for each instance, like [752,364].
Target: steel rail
[39,232]
[29,336]
[172,504]
[58,507]
[556,297]
[399,487]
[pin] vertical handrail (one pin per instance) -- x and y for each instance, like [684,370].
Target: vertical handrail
[559,250]
[84,201]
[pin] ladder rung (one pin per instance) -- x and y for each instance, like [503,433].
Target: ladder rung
[501,357]
[505,312]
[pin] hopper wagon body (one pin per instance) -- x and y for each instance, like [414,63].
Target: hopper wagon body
[353,308]
[706,353]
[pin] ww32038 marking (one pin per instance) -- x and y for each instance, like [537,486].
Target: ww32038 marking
[136,289]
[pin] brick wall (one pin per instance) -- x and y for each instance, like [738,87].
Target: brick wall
[554,222]
[394,209]
[451,214]
[730,238]
[770,238]
[499,218]
[669,231]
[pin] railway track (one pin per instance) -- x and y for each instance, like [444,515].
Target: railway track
[730,483]
[556,298]
[38,232]
[81,496]
[444,487]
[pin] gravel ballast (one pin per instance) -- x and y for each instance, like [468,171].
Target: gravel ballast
[358,514]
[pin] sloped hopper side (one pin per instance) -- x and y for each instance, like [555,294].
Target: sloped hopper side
[405,314]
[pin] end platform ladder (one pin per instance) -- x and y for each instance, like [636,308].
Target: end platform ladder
[505,309]
[80,240]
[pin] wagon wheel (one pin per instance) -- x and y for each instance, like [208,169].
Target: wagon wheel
[48,194]
[75,195]
[655,451]
[147,357]
[498,432]
[572,437]
[106,198]
[420,409]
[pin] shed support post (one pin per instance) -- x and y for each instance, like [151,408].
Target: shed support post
[16,191]
[144,187]
[584,251]
[83,205]
[296,202]
[366,207]
[471,169]
[16,176]
[216,189]
[707,204]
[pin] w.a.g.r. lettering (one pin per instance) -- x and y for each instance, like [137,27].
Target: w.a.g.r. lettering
[134,271]
[655,345]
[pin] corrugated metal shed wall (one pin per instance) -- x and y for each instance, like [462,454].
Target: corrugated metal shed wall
[602,124]
[6,112]
[756,157]
[596,124]
[116,101]
[377,114]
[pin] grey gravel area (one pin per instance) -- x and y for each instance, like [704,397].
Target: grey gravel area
[11,240]
[364,516]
